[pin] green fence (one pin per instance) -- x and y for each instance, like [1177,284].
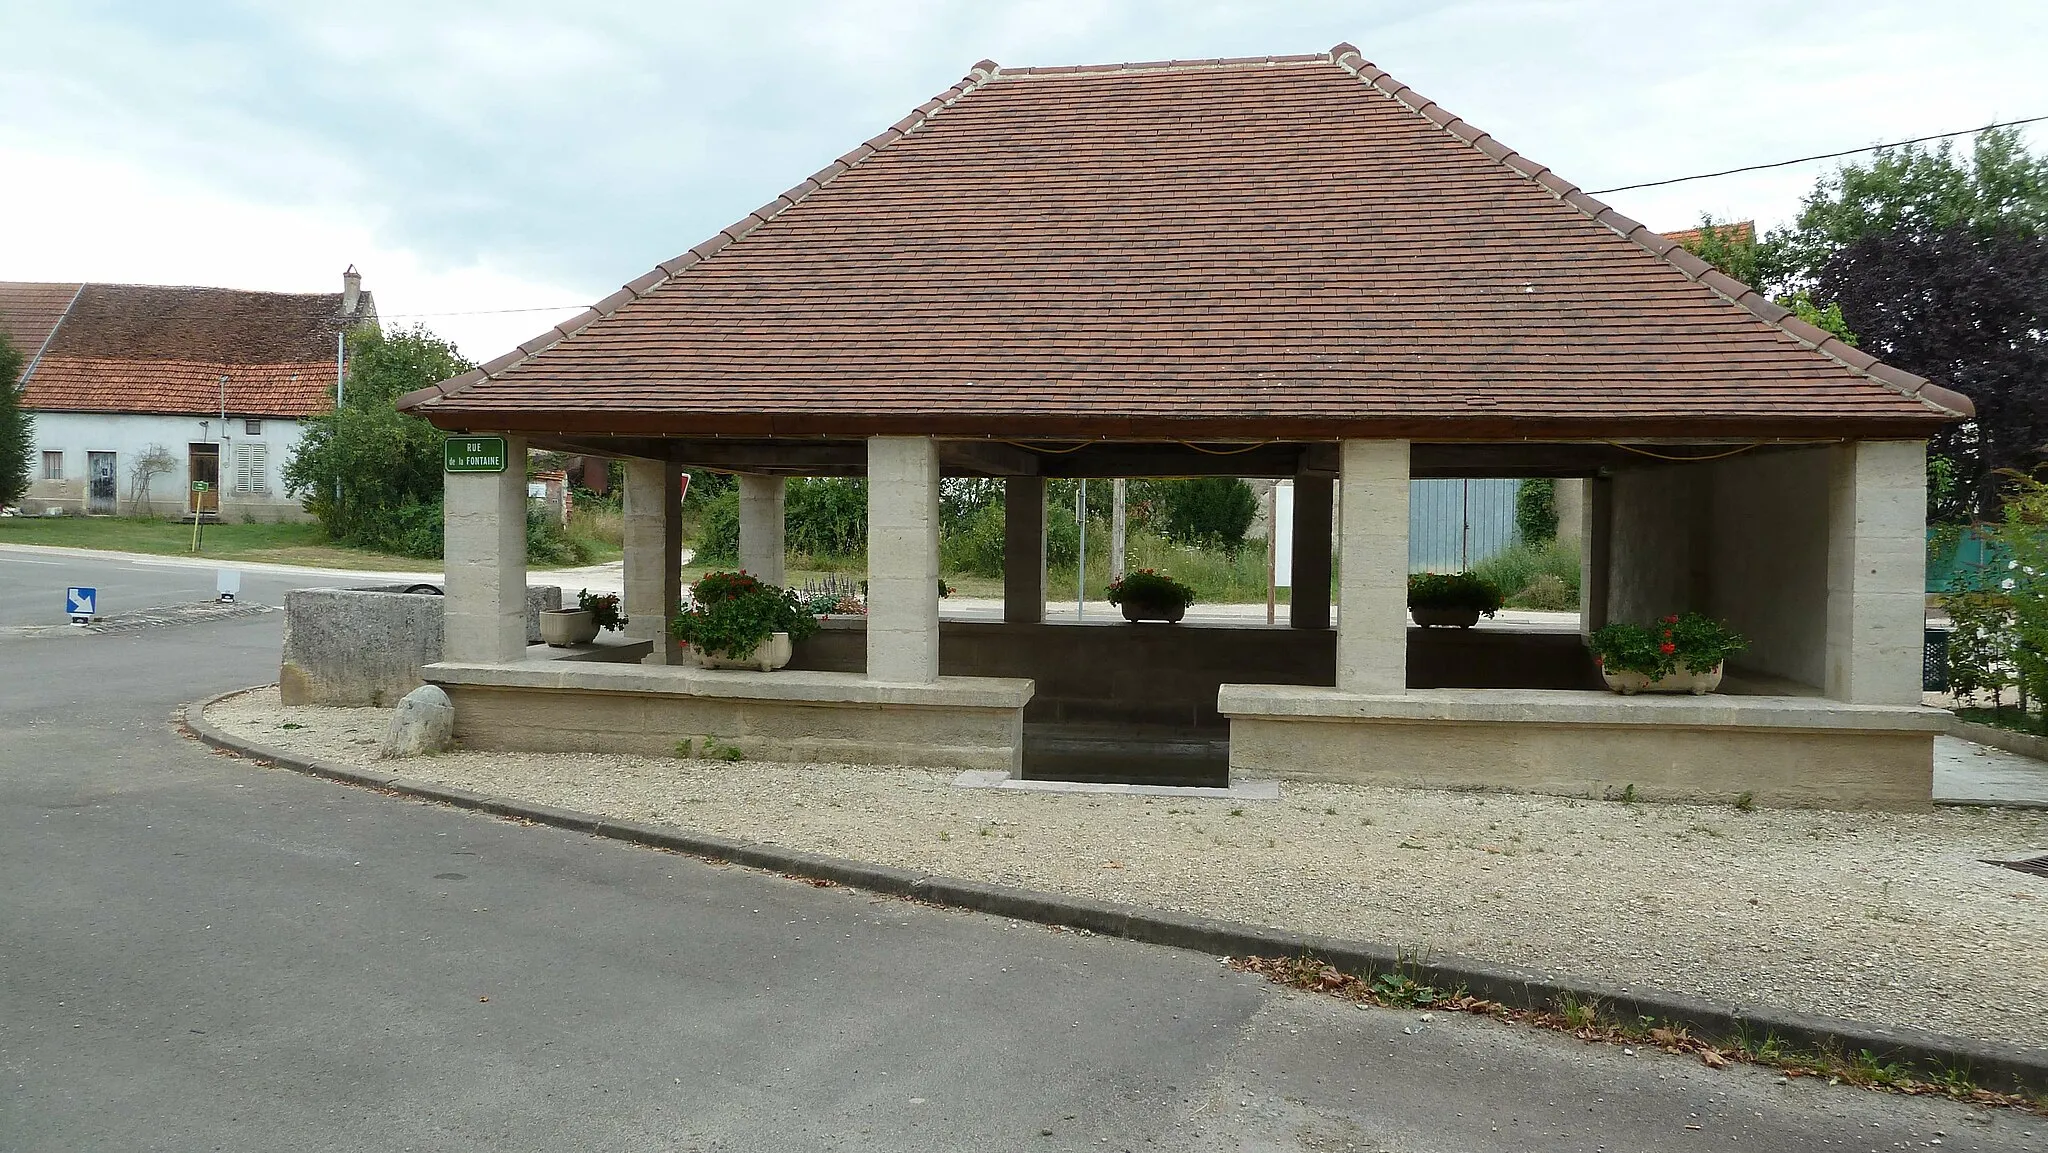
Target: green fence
[1966,559]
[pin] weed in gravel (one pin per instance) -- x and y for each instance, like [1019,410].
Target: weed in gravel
[1745,802]
[685,750]
[1768,1049]
[1579,1015]
[290,725]
[1237,812]
[1330,812]
[945,835]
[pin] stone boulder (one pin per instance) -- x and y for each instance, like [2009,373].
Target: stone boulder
[423,723]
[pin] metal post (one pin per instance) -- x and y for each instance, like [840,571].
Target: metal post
[1118,528]
[1272,550]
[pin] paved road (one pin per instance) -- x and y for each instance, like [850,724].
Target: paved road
[197,953]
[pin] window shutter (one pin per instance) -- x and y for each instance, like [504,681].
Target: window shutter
[259,468]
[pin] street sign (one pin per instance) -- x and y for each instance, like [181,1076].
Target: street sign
[81,604]
[474,454]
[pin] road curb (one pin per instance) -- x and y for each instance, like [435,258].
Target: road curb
[1992,1065]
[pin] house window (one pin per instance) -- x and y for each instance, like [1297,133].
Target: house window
[53,465]
[251,473]
[252,427]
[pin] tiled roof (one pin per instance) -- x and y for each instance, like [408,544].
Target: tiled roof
[180,387]
[1281,247]
[152,349]
[29,310]
[1732,231]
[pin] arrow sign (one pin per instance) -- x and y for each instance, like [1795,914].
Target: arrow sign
[81,602]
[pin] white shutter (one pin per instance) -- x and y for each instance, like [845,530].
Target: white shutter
[259,468]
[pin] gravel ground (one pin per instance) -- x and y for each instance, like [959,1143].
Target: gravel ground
[1875,917]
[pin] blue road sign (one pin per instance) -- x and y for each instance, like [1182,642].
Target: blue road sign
[81,602]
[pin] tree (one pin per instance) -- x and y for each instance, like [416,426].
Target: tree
[1968,310]
[1933,260]
[17,428]
[1536,510]
[1742,256]
[1208,511]
[372,474]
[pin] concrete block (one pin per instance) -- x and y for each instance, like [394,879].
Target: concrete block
[365,646]
[1373,509]
[762,526]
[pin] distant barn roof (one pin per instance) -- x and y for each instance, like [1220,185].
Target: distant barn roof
[153,349]
[1284,247]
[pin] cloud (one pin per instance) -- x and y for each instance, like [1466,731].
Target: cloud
[534,153]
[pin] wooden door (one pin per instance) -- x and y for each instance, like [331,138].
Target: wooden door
[204,474]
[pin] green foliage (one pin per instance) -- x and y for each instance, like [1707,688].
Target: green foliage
[551,545]
[1460,590]
[2025,537]
[1150,587]
[1981,642]
[732,613]
[718,528]
[826,516]
[17,428]
[1536,510]
[1657,650]
[362,469]
[1918,191]
[1828,319]
[1535,576]
[974,545]
[1214,511]
[1755,263]
[603,609]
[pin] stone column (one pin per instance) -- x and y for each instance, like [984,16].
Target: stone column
[1877,571]
[903,559]
[761,526]
[484,548]
[1570,502]
[1372,618]
[1595,561]
[654,553]
[1308,599]
[1024,549]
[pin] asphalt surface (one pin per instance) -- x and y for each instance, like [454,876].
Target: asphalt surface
[199,953]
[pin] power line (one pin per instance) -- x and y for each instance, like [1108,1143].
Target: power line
[1821,156]
[482,312]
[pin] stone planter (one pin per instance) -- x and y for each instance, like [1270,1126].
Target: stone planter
[1444,618]
[1135,611]
[767,656]
[1680,681]
[564,628]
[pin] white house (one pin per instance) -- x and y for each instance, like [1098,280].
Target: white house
[173,401]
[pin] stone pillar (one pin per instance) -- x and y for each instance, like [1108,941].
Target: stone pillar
[1372,618]
[1024,549]
[903,559]
[1308,599]
[1877,571]
[761,526]
[1595,559]
[654,553]
[1570,502]
[484,548]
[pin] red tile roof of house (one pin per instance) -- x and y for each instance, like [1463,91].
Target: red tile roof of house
[1732,231]
[1283,247]
[151,349]
[30,310]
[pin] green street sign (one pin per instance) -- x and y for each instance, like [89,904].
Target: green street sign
[475,454]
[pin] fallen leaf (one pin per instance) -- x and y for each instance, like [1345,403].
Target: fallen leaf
[1712,1059]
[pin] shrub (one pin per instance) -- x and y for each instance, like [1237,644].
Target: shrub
[718,529]
[1463,590]
[1547,593]
[730,614]
[975,546]
[1536,511]
[1150,587]
[1211,510]
[1694,641]
[825,516]
[549,544]
[1516,569]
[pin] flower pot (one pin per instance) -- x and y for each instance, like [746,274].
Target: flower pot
[1444,618]
[1681,680]
[562,628]
[767,656]
[1135,611]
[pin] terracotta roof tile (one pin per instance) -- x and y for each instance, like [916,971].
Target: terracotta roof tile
[1734,232]
[1244,247]
[29,312]
[156,349]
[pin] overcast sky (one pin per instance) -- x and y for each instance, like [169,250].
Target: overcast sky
[473,157]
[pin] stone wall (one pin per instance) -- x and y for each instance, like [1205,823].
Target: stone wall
[1769,546]
[365,646]
[1168,674]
